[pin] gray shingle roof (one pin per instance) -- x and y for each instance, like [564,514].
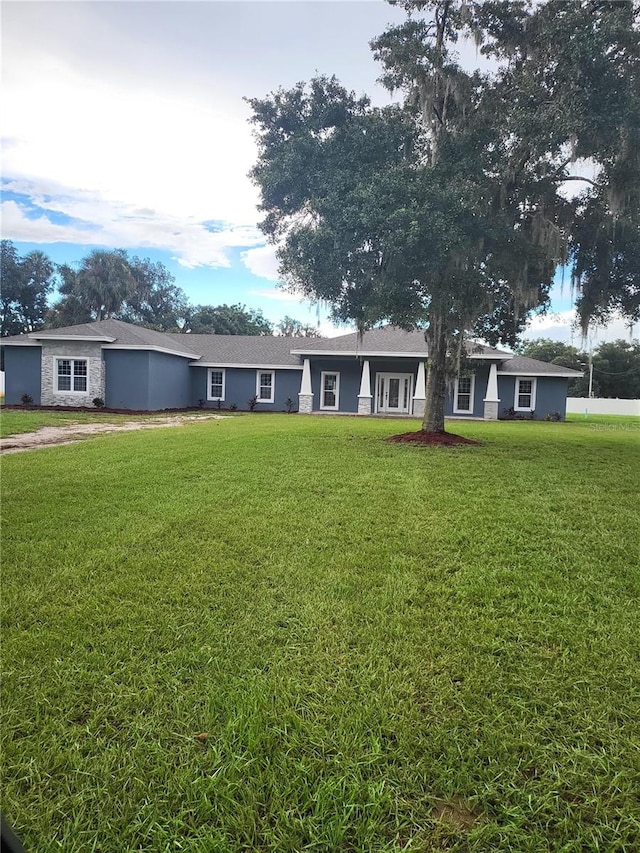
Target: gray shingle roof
[123,334]
[265,351]
[386,340]
[259,350]
[213,349]
[524,366]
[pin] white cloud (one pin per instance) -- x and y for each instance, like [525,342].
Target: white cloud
[276,294]
[564,327]
[262,262]
[141,167]
[115,224]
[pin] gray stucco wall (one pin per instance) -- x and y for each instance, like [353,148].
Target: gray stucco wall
[127,379]
[22,367]
[481,372]
[144,379]
[350,371]
[551,395]
[169,381]
[240,387]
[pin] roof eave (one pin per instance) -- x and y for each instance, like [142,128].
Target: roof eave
[153,348]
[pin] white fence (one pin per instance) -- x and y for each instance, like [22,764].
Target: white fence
[602,406]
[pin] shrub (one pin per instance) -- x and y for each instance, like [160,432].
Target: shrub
[201,403]
[98,402]
[289,405]
[234,407]
[510,414]
[253,402]
[27,400]
[553,416]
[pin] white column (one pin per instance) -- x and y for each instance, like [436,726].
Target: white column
[492,401]
[420,395]
[364,395]
[305,397]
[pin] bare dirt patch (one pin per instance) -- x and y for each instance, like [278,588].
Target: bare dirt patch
[439,439]
[56,436]
[456,813]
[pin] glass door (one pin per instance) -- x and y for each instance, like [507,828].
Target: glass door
[393,394]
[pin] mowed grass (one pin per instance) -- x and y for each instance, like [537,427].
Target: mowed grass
[279,633]
[17,421]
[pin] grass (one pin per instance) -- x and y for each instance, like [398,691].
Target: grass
[284,634]
[16,421]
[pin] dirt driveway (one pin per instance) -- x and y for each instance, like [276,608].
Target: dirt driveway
[52,436]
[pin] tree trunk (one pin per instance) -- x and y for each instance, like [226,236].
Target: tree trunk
[436,382]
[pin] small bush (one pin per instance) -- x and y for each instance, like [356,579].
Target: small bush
[510,414]
[201,403]
[98,402]
[289,405]
[27,400]
[553,416]
[234,407]
[253,402]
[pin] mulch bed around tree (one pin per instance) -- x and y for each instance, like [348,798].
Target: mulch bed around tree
[441,439]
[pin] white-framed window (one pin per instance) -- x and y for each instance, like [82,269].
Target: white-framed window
[463,396]
[72,375]
[329,390]
[216,380]
[525,397]
[265,386]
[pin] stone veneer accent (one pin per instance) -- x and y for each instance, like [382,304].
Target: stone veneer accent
[305,404]
[364,404]
[92,351]
[418,407]
[491,410]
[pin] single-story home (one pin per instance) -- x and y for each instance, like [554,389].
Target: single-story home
[380,372]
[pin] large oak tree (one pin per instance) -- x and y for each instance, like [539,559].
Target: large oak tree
[450,210]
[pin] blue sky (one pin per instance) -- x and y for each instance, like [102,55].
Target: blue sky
[124,125]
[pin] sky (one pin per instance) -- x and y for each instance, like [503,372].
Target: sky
[124,126]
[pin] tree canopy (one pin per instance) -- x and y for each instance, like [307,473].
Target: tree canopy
[25,285]
[450,210]
[227,320]
[288,327]
[110,283]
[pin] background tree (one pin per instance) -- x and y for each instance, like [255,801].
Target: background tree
[111,284]
[227,320]
[290,328]
[25,284]
[616,369]
[447,212]
[564,355]
[156,301]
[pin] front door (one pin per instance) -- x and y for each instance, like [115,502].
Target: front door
[393,393]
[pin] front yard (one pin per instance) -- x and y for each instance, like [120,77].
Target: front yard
[279,633]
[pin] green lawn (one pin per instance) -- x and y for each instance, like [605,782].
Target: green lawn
[277,633]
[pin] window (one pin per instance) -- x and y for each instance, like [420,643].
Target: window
[463,399]
[525,395]
[71,375]
[215,384]
[265,386]
[330,394]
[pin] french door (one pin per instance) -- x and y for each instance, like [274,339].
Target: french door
[393,393]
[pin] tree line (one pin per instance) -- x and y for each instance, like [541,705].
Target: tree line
[37,294]
[616,366]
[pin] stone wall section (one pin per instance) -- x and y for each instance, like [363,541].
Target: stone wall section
[92,352]
[305,404]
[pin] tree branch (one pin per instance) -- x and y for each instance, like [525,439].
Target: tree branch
[577,178]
